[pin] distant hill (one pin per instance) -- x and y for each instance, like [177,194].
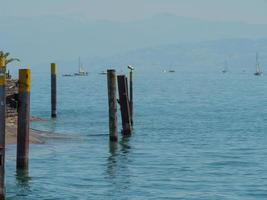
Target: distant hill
[211,55]
[52,38]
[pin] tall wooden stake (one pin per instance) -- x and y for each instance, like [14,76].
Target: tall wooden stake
[2,126]
[124,105]
[23,119]
[53,90]
[112,102]
[131,95]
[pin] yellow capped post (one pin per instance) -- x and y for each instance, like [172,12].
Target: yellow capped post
[24,80]
[53,68]
[23,119]
[53,90]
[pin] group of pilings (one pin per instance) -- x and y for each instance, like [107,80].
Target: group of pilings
[126,103]
[23,122]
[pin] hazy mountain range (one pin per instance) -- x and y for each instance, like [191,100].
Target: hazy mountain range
[240,54]
[162,39]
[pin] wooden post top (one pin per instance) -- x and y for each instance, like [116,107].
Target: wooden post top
[53,68]
[111,70]
[24,80]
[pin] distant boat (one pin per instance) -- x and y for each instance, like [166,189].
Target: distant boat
[258,70]
[225,69]
[81,71]
[171,71]
[103,73]
[67,74]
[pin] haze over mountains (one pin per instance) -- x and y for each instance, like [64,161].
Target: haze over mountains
[240,54]
[159,39]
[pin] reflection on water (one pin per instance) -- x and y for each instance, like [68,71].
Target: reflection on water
[53,125]
[23,182]
[118,165]
[112,159]
[125,146]
[118,159]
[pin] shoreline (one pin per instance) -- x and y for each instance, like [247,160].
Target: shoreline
[11,136]
[35,137]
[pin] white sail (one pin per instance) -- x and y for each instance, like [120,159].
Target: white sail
[81,70]
[258,70]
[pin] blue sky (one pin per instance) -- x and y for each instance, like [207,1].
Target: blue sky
[251,11]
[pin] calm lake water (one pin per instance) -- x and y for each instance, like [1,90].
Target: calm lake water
[197,136]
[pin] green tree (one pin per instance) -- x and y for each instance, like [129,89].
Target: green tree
[6,56]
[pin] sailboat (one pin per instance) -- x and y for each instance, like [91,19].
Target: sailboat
[258,70]
[225,69]
[81,71]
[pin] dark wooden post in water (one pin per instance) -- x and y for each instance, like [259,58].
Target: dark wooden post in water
[131,92]
[112,103]
[2,126]
[23,119]
[53,90]
[124,105]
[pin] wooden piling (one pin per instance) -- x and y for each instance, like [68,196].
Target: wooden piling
[124,105]
[2,126]
[53,90]
[131,95]
[23,119]
[112,102]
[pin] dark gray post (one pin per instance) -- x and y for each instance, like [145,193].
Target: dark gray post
[124,105]
[23,119]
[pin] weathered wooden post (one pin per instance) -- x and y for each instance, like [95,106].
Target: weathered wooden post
[124,105]
[53,90]
[131,92]
[2,126]
[112,103]
[23,119]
